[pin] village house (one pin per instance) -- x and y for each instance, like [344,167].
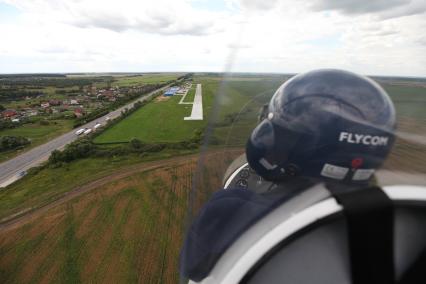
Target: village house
[64,107]
[78,112]
[93,90]
[9,113]
[29,112]
[55,102]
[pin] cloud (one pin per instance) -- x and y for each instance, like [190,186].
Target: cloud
[239,45]
[384,8]
[158,17]
[160,35]
[422,40]
[156,24]
[258,4]
[357,6]
[414,7]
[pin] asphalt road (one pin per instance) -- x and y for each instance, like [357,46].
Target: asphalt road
[11,170]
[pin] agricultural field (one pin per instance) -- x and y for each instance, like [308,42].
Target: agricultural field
[43,186]
[124,230]
[145,79]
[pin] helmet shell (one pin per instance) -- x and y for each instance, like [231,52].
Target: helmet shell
[327,123]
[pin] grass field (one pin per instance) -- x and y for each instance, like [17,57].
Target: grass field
[189,98]
[410,103]
[38,134]
[159,121]
[162,121]
[144,79]
[239,108]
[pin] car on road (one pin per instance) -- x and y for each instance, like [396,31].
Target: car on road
[97,125]
[87,131]
[107,118]
[21,174]
[80,131]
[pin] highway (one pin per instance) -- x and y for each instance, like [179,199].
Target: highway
[11,170]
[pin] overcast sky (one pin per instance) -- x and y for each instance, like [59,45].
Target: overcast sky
[374,37]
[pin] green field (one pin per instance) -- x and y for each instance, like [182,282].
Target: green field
[189,98]
[409,101]
[159,121]
[38,134]
[162,121]
[144,79]
[239,109]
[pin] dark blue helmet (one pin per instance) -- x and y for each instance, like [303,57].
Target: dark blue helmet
[328,124]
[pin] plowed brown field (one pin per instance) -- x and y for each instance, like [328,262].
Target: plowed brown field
[127,228]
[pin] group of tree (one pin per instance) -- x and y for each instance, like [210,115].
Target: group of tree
[78,149]
[58,82]
[12,142]
[17,94]
[85,148]
[7,124]
[33,75]
[186,76]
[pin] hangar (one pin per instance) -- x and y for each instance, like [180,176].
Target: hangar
[171,91]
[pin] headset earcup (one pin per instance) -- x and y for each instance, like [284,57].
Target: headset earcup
[259,147]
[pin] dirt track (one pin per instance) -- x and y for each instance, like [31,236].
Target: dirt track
[17,221]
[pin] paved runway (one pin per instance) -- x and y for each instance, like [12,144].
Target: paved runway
[11,169]
[197,107]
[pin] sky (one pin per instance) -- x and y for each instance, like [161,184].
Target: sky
[380,37]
